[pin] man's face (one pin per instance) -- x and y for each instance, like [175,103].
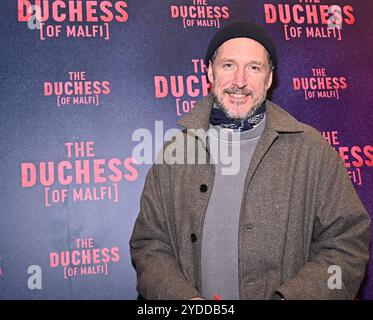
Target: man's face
[240,77]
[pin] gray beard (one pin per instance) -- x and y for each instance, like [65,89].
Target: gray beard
[251,113]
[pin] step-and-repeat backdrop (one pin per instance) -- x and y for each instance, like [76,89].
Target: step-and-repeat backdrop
[86,83]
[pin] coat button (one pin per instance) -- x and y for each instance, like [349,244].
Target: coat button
[193,237]
[249,226]
[203,188]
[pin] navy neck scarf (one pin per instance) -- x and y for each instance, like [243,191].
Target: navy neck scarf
[218,118]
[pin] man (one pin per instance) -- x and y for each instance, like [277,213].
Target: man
[287,225]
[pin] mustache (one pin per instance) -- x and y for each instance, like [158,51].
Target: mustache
[235,90]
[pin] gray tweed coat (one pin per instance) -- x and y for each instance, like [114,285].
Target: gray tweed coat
[300,215]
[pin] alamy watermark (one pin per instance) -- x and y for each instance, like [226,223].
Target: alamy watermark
[34,280]
[35,17]
[335,20]
[191,146]
[335,280]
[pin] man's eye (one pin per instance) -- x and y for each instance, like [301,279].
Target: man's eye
[227,66]
[255,67]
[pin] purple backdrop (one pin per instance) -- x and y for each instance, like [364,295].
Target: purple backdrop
[79,82]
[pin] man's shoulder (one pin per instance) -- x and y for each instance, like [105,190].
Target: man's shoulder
[287,121]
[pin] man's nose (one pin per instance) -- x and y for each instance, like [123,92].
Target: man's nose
[240,78]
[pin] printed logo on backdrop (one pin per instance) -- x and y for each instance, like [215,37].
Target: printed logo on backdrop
[320,85]
[199,13]
[184,88]
[310,18]
[84,259]
[72,18]
[354,157]
[77,90]
[80,177]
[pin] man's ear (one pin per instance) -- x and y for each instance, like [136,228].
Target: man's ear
[270,78]
[210,73]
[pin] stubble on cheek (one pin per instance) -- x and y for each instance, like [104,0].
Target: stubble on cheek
[254,102]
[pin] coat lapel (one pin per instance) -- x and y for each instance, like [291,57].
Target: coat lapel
[278,122]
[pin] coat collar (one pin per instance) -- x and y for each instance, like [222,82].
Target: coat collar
[277,119]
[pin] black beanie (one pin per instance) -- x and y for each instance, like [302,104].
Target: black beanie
[242,30]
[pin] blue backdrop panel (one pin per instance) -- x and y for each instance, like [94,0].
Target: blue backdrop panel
[80,77]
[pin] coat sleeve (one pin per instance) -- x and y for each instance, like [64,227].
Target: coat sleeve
[158,273]
[340,239]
